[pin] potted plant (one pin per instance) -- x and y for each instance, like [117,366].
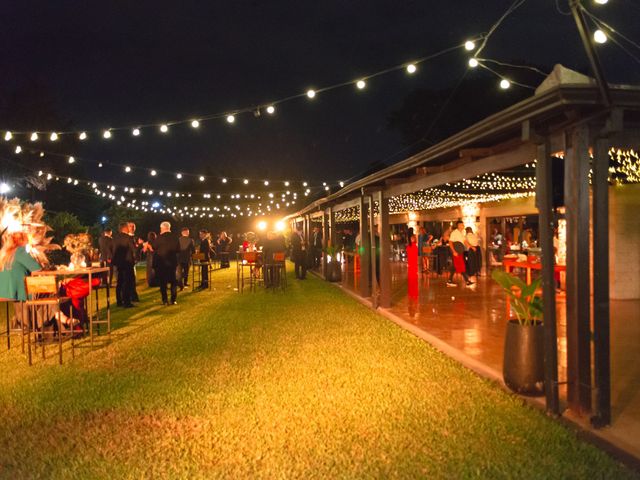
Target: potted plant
[334,268]
[523,365]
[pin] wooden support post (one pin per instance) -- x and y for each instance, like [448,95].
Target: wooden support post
[578,275]
[385,251]
[601,321]
[325,240]
[374,254]
[544,200]
[364,250]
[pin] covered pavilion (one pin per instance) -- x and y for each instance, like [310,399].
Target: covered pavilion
[557,160]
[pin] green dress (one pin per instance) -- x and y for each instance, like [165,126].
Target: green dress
[12,279]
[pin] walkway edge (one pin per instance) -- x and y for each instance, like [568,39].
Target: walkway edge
[578,425]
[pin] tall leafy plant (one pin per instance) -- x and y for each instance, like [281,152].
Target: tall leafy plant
[526,305]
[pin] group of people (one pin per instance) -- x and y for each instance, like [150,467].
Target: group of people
[169,258]
[304,255]
[459,249]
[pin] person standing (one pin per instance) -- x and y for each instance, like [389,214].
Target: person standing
[165,257]
[123,260]
[316,246]
[457,243]
[137,248]
[105,245]
[299,253]
[205,250]
[474,256]
[147,248]
[187,249]
[223,249]
[424,248]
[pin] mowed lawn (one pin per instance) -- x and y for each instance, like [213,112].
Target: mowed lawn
[302,384]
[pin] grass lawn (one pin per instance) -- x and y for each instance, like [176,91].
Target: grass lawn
[306,384]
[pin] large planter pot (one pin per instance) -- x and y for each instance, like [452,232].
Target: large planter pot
[523,366]
[334,273]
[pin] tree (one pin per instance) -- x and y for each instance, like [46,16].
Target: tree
[62,224]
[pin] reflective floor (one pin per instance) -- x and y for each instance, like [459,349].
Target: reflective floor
[473,321]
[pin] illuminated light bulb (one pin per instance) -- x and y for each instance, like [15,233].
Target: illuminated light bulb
[178,176]
[82,136]
[224,180]
[18,149]
[201,178]
[271,109]
[266,183]
[286,184]
[164,128]
[411,68]
[311,93]
[601,2]
[341,184]
[153,173]
[8,136]
[473,63]
[361,84]
[106,134]
[231,118]
[245,181]
[504,84]
[304,184]
[72,160]
[262,225]
[100,165]
[34,137]
[599,36]
[195,123]
[41,154]
[53,137]
[127,169]
[136,132]
[469,45]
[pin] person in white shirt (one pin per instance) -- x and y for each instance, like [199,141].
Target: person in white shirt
[457,244]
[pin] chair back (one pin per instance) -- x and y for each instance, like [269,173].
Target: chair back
[45,285]
[250,257]
[278,257]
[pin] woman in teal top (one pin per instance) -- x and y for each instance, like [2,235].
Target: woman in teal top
[15,265]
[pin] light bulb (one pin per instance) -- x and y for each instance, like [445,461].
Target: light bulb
[271,109]
[83,136]
[469,45]
[195,123]
[153,173]
[18,149]
[8,136]
[127,169]
[164,128]
[53,137]
[266,183]
[224,180]
[106,134]
[178,176]
[311,93]
[599,36]
[231,118]
[361,84]
[136,132]
[601,2]
[245,181]
[286,184]
[34,137]
[504,84]
[411,68]
[72,160]
[473,63]
[201,178]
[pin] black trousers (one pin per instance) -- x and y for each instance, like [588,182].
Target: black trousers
[300,264]
[132,285]
[167,276]
[125,284]
[185,272]
[205,276]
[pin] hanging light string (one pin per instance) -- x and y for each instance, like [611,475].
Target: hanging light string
[511,65]
[600,36]
[154,172]
[514,6]
[230,115]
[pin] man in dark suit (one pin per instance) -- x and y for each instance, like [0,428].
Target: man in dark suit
[316,246]
[105,245]
[187,249]
[123,260]
[205,250]
[299,253]
[165,259]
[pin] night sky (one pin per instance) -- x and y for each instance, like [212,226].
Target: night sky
[116,63]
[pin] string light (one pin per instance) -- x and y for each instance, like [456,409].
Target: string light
[71,160]
[127,169]
[82,136]
[153,173]
[106,134]
[231,118]
[504,84]
[164,128]
[224,180]
[34,137]
[18,149]
[361,84]
[599,36]
[601,2]
[7,136]
[53,137]
[201,178]
[473,63]
[411,69]
[136,132]
[271,109]
[179,176]
[245,181]
[195,123]
[469,45]
[311,93]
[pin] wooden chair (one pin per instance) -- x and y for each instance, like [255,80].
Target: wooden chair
[35,288]
[249,261]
